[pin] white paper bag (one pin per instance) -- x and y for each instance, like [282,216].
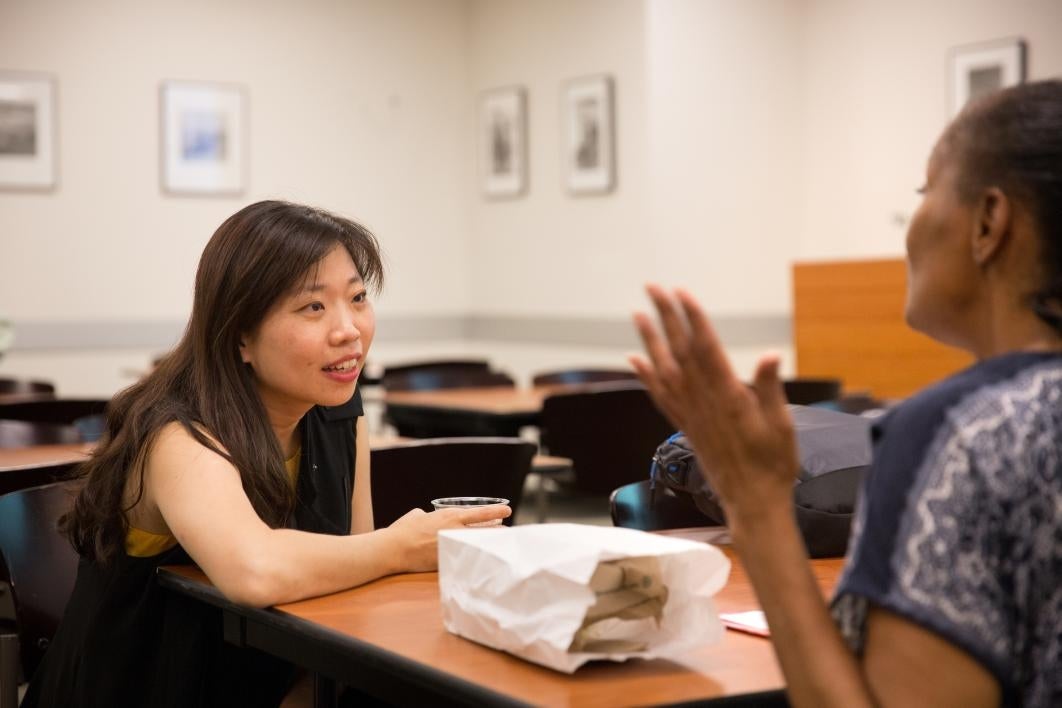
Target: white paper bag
[525,589]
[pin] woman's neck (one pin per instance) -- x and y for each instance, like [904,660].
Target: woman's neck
[1012,328]
[285,424]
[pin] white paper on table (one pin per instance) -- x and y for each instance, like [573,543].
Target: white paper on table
[751,622]
[524,590]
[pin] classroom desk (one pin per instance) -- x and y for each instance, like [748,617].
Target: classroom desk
[16,458]
[499,410]
[387,638]
[20,467]
[25,397]
[24,467]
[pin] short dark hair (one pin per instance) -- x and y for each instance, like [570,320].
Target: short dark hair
[1012,139]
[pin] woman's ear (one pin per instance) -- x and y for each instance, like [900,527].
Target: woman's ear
[992,225]
[243,351]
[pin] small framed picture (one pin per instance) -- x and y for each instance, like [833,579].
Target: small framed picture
[503,142]
[202,138]
[979,69]
[589,144]
[27,131]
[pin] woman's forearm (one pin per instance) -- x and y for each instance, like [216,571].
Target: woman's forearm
[285,565]
[819,668]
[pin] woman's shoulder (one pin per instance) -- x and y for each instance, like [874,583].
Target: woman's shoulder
[970,433]
[177,441]
[1027,379]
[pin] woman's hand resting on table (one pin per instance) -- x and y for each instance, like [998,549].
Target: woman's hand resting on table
[742,435]
[418,531]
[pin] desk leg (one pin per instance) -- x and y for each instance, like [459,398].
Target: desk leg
[541,498]
[8,671]
[325,693]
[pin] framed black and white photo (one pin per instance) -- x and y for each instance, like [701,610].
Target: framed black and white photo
[589,142]
[202,138]
[27,131]
[979,69]
[503,142]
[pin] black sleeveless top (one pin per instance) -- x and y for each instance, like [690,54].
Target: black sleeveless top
[125,641]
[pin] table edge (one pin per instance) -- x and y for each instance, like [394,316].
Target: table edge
[405,669]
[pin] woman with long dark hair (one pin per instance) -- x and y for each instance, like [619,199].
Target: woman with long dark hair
[245,452]
[952,589]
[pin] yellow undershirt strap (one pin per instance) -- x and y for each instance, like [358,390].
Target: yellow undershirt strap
[144,544]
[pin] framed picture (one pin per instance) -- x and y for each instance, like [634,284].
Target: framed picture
[27,131]
[589,143]
[503,142]
[978,69]
[202,138]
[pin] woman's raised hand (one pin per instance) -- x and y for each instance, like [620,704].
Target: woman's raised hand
[742,435]
[418,531]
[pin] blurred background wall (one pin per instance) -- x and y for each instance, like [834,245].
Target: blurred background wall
[750,133]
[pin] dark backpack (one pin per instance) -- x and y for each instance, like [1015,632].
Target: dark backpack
[834,453]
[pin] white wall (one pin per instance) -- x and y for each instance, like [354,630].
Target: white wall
[750,133]
[725,84]
[360,107]
[550,252]
[875,99]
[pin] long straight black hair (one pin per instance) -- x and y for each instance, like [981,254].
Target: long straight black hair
[257,256]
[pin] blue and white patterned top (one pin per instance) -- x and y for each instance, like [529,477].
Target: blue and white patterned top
[959,527]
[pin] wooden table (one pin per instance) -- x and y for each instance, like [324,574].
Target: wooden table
[26,397]
[24,467]
[17,458]
[489,411]
[387,638]
[20,467]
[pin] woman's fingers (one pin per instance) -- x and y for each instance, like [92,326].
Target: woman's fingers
[706,344]
[768,385]
[482,514]
[648,377]
[674,323]
[663,364]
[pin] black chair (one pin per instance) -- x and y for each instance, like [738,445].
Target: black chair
[434,380]
[805,391]
[426,375]
[610,432]
[35,475]
[409,475]
[579,376]
[636,506]
[430,376]
[19,433]
[39,566]
[88,415]
[18,386]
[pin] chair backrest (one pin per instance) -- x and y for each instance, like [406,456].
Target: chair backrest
[804,392]
[18,386]
[63,411]
[578,376]
[429,375]
[88,415]
[38,562]
[610,433]
[19,433]
[433,380]
[439,365]
[636,506]
[463,375]
[425,375]
[409,475]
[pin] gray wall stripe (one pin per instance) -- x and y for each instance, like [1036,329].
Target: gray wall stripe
[735,331]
